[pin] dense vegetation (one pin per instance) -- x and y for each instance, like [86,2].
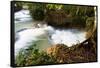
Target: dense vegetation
[63,16]
[32,56]
[77,14]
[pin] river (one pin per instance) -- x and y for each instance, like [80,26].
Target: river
[27,31]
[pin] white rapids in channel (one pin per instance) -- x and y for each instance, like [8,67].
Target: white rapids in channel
[49,36]
[44,36]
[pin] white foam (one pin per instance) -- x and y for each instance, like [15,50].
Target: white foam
[28,36]
[67,37]
[54,36]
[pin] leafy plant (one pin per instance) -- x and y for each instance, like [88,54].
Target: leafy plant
[38,14]
[53,6]
[37,11]
[32,56]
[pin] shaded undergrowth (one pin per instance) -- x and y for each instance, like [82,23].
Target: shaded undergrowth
[32,56]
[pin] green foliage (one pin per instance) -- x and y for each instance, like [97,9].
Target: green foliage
[80,20]
[54,6]
[90,24]
[90,12]
[19,4]
[38,14]
[32,56]
[20,58]
[67,8]
[37,11]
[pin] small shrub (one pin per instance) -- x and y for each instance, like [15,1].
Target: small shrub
[38,14]
[32,56]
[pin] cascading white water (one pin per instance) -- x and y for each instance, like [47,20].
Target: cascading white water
[49,36]
[28,36]
[68,37]
[45,36]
